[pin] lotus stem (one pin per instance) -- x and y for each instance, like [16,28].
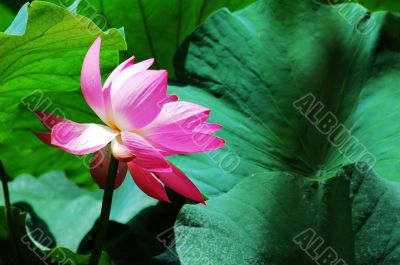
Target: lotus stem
[105,212]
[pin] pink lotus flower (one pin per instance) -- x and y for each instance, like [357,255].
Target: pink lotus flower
[142,125]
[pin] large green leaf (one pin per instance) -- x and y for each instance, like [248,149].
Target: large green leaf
[153,28]
[40,68]
[250,67]
[260,70]
[277,218]
[67,213]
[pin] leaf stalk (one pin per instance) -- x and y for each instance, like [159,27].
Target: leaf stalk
[9,214]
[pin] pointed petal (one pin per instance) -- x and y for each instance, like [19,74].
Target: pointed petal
[120,79]
[137,102]
[44,137]
[181,129]
[117,70]
[208,128]
[179,182]
[91,80]
[49,120]
[172,144]
[81,139]
[168,99]
[181,115]
[100,164]
[146,156]
[148,182]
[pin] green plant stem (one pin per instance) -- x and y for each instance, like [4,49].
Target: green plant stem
[105,212]
[9,213]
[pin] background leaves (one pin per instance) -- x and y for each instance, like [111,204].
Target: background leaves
[305,48]
[7,17]
[224,63]
[154,29]
[30,252]
[373,5]
[345,212]
[68,213]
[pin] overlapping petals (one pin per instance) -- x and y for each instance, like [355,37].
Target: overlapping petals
[144,124]
[181,129]
[115,73]
[118,78]
[152,183]
[148,182]
[146,156]
[137,102]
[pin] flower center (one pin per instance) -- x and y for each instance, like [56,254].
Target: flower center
[119,151]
